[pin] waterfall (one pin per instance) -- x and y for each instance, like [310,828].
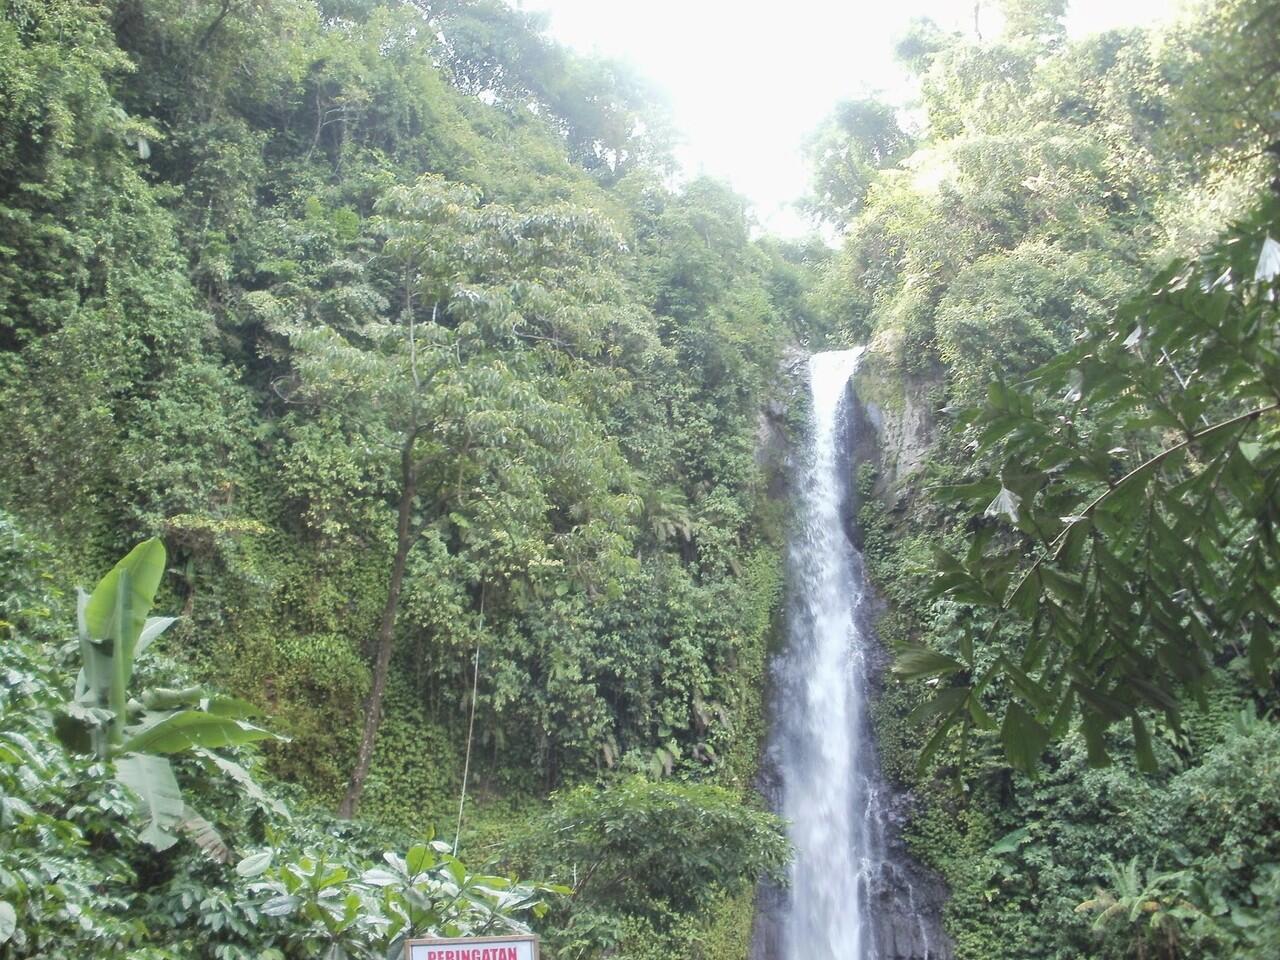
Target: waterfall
[855,891]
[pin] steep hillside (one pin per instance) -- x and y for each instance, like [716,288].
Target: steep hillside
[381,316]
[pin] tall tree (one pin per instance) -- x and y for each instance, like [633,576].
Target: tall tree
[461,382]
[860,138]
[1037,20]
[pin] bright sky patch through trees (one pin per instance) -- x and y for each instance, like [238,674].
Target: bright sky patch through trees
[749,82]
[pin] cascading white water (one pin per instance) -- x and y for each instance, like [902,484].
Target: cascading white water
[826,760]
[855,891]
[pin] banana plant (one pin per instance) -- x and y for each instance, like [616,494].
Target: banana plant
[135,736]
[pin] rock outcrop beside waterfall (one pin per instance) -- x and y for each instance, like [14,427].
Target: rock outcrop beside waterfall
[900,424]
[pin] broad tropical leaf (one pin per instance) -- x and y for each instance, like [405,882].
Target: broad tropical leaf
[113,614]
[151,779]
[1024,738]
[177,732]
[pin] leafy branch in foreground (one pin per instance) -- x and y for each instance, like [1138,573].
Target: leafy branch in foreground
[1128,543]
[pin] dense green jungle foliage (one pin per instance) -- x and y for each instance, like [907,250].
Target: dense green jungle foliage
[1067,275]
[439,416]
[383,319]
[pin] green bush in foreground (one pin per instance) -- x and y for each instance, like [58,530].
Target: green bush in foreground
[92,857]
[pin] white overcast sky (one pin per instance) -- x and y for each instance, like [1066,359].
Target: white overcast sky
[748,81]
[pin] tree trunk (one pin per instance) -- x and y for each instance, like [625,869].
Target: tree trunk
[386,634]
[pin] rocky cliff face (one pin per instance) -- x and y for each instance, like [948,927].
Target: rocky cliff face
[892,430]
[898,411]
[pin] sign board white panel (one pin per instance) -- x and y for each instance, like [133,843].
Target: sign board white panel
[473,948]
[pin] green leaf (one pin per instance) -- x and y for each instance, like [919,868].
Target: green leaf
[152,780]
[1064,586]
[1024,738]
[418,859]
[981,719]
[934,743]
[1033,692]
[255,865]
[378,877]
[177,732]
[1026,595]
[1244,916]
[281,906]
[230,707]
[108,613]
[1010,842]
[111,619]
[1142,746]
[168,698]
[966,492]
[1094,727]
[8,921]
[152,628]
[94,684]
[1061,721]
[946,702]
[914,662]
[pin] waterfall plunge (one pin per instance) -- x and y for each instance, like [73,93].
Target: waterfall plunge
[855,892]
[827,764]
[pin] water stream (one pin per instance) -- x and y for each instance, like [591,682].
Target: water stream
[853,890]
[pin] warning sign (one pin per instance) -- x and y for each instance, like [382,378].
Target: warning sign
[473,948]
